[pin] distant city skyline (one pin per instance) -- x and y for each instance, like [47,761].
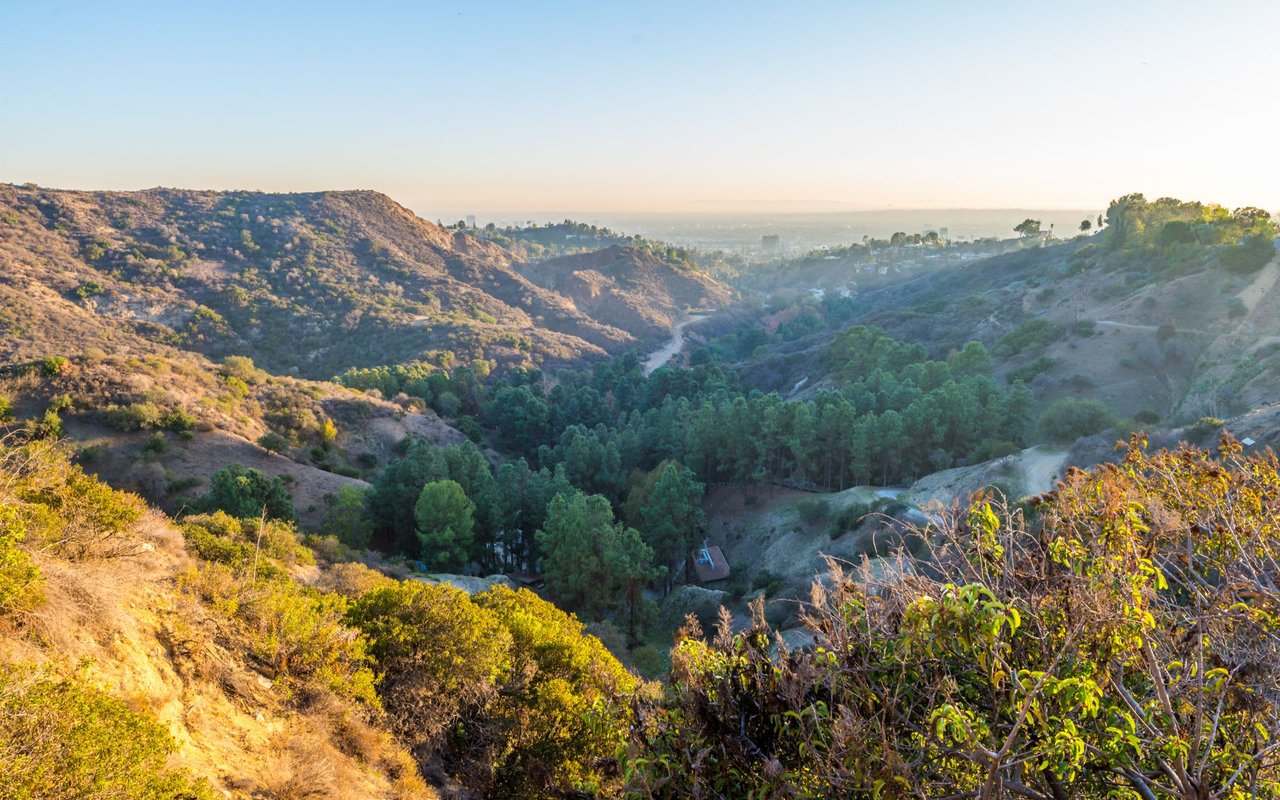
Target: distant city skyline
[490,108]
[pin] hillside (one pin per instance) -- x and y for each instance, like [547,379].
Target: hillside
[1169,331]
[275,276]
[143,657]
[633,289]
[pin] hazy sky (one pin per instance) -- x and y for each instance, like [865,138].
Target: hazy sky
[680,106]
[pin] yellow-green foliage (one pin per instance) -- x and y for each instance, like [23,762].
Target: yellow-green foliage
[19,578]
[296,631]
[48,503]
[1122,642]
[440,654]
[567,702]
[223,538]
[62,738]
[65,510]
[526,704]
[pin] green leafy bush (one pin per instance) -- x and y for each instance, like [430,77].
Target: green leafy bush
[244,492]
[63,738]
[134,417]
[812,510]
[1031,334]
[439,654]
[295,632]
[19,577]
[1202,428]
[848,518]
[53,366]
[1069,418]
[1249,256]
[1028,371]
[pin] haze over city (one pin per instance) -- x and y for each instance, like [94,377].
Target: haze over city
[513,108]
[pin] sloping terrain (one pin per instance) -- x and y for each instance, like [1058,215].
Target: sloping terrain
[1172,334]
[633,289]
[309,284]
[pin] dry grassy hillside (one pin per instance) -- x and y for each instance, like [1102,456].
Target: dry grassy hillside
[1169,333]
[309,284]
[162,424]
[117,607]
[633,289]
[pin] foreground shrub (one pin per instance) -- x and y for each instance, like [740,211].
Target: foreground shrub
[564,712]
[19,577]
[298,634]
[63,509]
[1122,642]
[439,654]
[62,738]
[504,688]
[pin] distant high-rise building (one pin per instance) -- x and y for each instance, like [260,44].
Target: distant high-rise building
[770,241]
[944,232]
[471,220]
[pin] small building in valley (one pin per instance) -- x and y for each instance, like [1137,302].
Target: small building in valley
[709,564]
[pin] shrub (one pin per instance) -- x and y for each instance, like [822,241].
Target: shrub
[812,510]
[156,443]
[183,484]
[351,579]
[1146,417]
[1248,256]
[1033,333]
[53,366]
[1080,613]
[848,518]
[61,737]
[242,368]
[135,416]
[244,492]
[89,288]
[49,426]
[19,577]
[6,408]
[178,421]
[71,513]
[649,661]
[1199,430]
[273,442]
[297,632]
[566,708]
[1028,371]
[439,654]
[1069,418]
[768,581]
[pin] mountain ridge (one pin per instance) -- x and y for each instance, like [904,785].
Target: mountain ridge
[269,275]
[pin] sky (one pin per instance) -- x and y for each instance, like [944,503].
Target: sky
[487,107]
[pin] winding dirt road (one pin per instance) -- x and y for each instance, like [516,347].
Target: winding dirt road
[668,351]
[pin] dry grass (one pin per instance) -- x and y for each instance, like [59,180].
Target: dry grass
[126,621]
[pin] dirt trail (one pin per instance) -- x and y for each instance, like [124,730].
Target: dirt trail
[1041,469]
[1261,285]
[668,351]
[1137,327]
